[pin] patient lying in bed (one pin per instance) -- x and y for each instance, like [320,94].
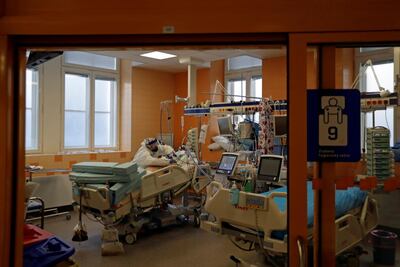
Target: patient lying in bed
[345,201]
[266,213]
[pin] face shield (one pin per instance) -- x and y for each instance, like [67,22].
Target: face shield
[152,144]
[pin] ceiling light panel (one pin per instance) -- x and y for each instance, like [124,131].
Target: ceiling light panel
[158,55]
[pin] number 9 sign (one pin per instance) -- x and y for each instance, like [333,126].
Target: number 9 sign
[333,124]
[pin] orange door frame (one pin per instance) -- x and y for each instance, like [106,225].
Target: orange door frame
[13,67]
[12,115]
[326,248]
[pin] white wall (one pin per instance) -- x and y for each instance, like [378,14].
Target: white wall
[51,106]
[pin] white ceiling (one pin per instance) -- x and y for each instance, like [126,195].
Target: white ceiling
[204,56]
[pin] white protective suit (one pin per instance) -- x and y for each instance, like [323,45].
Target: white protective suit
[144,157]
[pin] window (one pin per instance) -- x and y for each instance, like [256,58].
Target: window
[256,90]
[256,86]
[76,111]
[382,60]
[90,112]
[243,62]
[90,101]
[236,90]
[32,110]
[385,75]
[244,81]
[90,60]
[104,112]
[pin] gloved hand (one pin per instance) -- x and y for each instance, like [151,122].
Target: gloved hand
[171,155]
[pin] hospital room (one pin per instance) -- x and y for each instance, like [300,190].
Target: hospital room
[181,156]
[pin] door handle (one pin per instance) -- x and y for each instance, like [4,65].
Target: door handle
[300,247]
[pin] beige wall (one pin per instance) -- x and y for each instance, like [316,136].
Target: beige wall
[51,89]
[149,88]
[125,105]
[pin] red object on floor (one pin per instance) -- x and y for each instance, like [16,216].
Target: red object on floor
[34,234]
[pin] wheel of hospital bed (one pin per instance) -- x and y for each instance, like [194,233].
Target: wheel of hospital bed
[196,218]
[130,238]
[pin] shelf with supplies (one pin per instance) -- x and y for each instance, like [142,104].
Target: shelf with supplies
[235,108]
[375,101]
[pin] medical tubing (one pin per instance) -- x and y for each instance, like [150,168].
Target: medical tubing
[102,223]
[198,166]
[187,151]
[250,248]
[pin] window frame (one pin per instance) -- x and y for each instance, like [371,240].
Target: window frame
[39,111]
[91,68]
[377,57]
[243,74]
[66,71]
[115,108]
[246,74]
[92,74]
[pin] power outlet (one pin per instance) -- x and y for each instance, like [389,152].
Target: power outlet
[168,29]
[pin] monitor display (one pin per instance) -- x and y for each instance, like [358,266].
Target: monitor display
[269,168]
[225,126]
[280,125]
[227,164]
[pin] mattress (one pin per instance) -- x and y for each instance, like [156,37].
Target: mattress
[123,173]
[345,200]
[94,167]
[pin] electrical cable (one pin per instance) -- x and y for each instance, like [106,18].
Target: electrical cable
[387,124]
[99,220]
[250,248]
[261,242]
[161,112]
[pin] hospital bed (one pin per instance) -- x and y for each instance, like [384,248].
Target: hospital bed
[128,198]
[261,218]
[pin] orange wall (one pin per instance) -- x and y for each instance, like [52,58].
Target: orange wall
[125,16]
[344,67]
[205,83]
[274,76]
[217,72]
[149,88]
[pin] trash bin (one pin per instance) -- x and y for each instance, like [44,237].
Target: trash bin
[384,244]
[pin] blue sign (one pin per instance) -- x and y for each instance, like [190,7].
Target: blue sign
[333,125]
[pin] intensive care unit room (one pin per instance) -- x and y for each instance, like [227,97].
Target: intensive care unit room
[179,156]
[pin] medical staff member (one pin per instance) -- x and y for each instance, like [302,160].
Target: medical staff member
[153,153]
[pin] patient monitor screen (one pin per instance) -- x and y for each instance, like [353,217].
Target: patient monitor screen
[227,164]
[225,126]
[269,168]
[280,125]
